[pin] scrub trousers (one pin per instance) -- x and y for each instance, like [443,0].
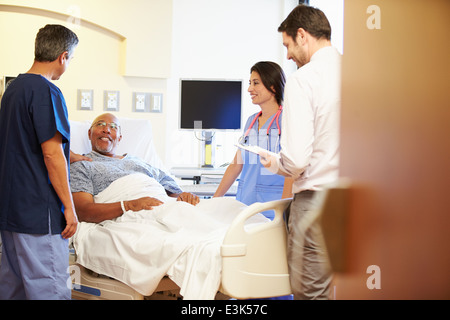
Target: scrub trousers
[34,267]
[309,268]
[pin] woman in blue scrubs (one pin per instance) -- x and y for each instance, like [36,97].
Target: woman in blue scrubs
[256,183]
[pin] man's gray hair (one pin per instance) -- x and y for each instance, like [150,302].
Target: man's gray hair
[52,40]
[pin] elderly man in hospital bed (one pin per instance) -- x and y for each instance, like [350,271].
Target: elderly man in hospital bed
[132,227]
[90,178]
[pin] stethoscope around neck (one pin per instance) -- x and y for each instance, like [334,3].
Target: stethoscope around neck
[243,138]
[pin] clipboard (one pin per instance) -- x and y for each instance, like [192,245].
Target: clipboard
[252,149]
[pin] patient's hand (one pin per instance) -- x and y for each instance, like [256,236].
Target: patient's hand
[146,203]
[188,197]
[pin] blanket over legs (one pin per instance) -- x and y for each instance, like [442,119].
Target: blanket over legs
[175,239]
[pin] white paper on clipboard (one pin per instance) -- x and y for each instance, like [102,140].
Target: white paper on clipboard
[256,149]
[253,149]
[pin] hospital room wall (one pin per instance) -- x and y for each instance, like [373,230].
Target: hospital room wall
[219,40]
[124,46]
[147,46]
[223,39]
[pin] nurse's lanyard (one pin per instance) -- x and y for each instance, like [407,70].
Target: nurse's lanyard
[277,117]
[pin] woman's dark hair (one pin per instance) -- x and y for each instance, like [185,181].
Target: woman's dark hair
[310,19]
[271,76]
[52,40]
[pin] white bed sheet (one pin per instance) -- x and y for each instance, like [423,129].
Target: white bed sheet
[174,239]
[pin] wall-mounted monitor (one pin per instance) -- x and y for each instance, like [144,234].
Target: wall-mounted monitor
[5,82]
[216,103]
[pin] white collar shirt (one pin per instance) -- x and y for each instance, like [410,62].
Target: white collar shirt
[310,138]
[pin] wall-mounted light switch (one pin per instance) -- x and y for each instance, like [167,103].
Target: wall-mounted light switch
[147,102]
[156,102]
[85,99]
[141,101]
[111,100]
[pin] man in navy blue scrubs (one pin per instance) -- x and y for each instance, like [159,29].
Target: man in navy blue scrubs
[37,214]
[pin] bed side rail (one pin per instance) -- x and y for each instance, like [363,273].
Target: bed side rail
[254,261]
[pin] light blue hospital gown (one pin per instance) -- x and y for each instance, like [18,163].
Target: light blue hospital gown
[95,176]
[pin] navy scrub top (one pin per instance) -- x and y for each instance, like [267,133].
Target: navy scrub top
[32,110]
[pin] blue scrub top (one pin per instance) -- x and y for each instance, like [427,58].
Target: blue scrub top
[32,110]
[256,183]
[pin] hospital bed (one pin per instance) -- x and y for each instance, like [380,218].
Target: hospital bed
[254,263]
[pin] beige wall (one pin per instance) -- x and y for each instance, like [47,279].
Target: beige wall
[148,45]
[396,149]
[124,46]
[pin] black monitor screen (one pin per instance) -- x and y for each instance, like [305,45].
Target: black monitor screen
[216,103]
